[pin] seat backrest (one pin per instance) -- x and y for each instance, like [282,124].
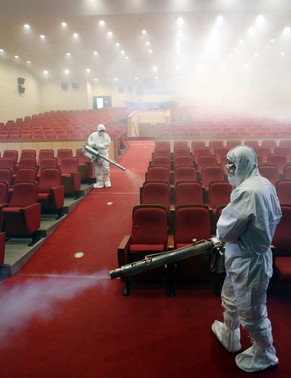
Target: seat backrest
[8,163]
[49,178]
[183,161]
[45,153]
[206,160]
[219,152]
[287,172]
[201,151]
[28,153]
[278,159]
[12,154]
[282,236]
[195,144]
[253,143]
[263,151]
[218,194]
[184,174]
[81,157]
[27,163]
[49,162]
[4,191]
[64,153]
[271,143]
[215,143]
[6,175]
[149,225]
[283,188]
[25,174]
[188,193]
[211,173]
[158,174]
[156,193]
[163,144]
[69,165]
[180,143]
[191,222]
[162,151]
[181,151]
[271,172]
[231,143]
[161,161]
[24,194]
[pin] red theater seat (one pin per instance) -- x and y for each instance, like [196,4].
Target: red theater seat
[149,234]
[21,218]
[50,190]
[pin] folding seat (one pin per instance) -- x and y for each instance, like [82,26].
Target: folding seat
[188,193]
[8,163]
[161,151]
[251,143]
[11,154]
[26,163]
[6,175]
[45,153]
[201,151]
[219,152]
[155,193]
[163,144]
[50,191]
[278,159]
[231,143]
[283,150]
[181,151]
[71,177]
[180,144]
[4,194]
[195,144]
[264,152]
[206,160]
[271,172]
[25,174]
[270,143]
[281,243]
[287,172]
[183,161]
[191,222]
[184,174]
[161,161]
[28,153]
[149,235]
[158,174]
[285,143]
[21,218]
[211,173]
[218,194]
[283,188]
[86,166]
[64,153]
[213,143]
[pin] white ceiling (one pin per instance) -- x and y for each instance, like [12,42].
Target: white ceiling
[207,48]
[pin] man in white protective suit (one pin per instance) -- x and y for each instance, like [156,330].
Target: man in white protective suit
[100,141]
[246,226]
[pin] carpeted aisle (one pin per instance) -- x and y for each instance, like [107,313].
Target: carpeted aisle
[62,317]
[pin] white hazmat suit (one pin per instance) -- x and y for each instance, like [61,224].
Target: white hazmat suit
[246,226]
[100,140]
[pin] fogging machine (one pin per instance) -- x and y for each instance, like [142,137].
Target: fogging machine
[213,246]
[94,155]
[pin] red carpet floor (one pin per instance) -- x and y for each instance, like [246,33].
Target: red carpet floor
[62,317]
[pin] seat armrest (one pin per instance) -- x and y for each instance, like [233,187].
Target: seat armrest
[123,250]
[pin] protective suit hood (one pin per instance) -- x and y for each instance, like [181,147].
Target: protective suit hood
[101,127]
[245,160]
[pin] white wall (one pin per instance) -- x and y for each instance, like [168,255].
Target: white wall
[13,104]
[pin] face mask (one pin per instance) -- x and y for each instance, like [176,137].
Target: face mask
[231,179]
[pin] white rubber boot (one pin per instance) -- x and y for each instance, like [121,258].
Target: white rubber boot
[230,339]
[261,355]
